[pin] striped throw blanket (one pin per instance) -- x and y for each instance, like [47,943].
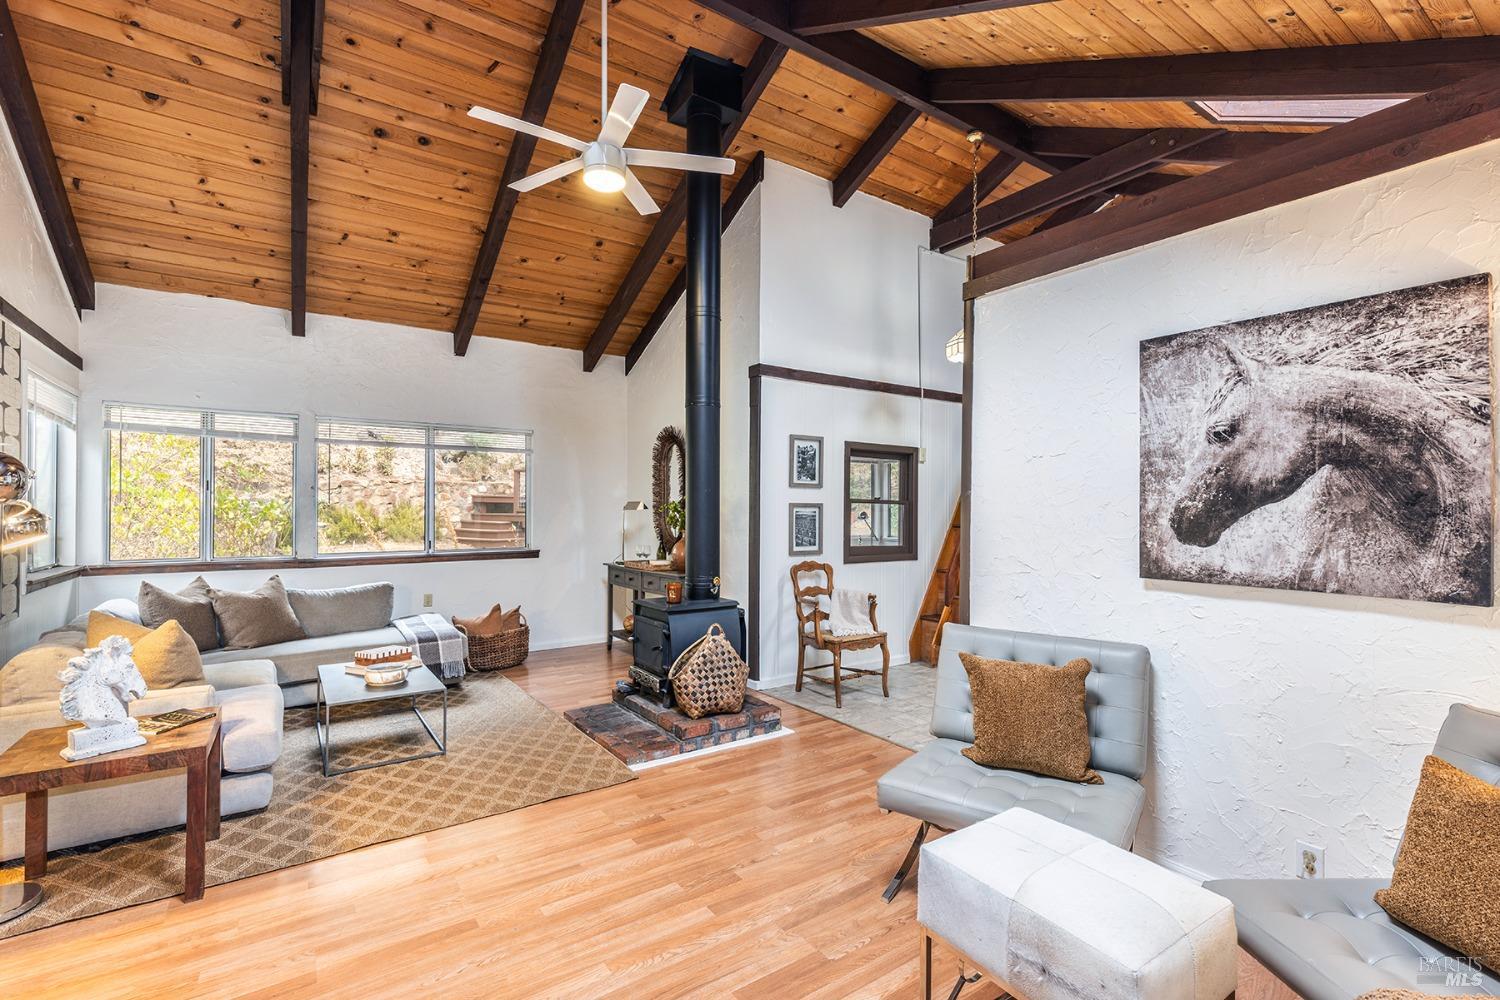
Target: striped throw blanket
[441,647]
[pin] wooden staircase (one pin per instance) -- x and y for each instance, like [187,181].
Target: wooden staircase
[940,602]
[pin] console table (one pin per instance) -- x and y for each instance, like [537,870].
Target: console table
[640,579]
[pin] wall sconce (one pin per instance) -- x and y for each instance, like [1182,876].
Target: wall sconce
[21,524]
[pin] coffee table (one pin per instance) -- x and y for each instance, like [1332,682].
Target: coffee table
[33,765]
[338,689]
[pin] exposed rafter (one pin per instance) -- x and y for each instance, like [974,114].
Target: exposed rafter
[991,176]
[881,141]
[1085,143]
[743,188]
[301,46]
[763,65]
[1077,210]
[1386,69]
[866,60]
[1444,121]
[29,132]
[1091,177]
[549,65]
[814,17]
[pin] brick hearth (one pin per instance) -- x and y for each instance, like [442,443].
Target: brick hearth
[637,729]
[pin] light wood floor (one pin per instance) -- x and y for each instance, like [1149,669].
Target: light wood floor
[755,872]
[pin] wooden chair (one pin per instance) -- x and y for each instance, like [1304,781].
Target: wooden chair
[810,634]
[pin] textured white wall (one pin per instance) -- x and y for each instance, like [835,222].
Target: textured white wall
[156,347]
[1277,716]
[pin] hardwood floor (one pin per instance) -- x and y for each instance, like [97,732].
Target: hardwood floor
[750,873]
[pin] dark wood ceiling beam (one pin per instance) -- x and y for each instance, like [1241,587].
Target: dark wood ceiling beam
[1086,143]
[1385,69]
[301,44]
[763,65]
[551,58]
[743,188]
[866,60]
[816,17]
[1444,121]
[991,176]
[28,130]
[1077,210]
[881,141]
[1091,177]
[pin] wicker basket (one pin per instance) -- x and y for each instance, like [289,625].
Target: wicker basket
[497,652]
[709,677]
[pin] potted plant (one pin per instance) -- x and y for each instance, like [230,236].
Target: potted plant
[675,513]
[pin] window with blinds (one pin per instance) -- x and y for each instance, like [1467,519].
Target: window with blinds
[395,487]
[190,484]
[52,455]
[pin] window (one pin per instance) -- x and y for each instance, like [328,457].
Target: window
[188,485]
[52,436]
[420,488]
[880,500]
[1332,111]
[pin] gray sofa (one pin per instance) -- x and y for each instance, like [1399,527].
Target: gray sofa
[1329,940]
[940,787]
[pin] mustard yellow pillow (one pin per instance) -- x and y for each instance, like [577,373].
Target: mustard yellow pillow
[166,655]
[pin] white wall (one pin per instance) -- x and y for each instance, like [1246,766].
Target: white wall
[1277,716]
[30,279]
[156,347]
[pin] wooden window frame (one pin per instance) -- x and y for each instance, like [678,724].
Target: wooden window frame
[907,550]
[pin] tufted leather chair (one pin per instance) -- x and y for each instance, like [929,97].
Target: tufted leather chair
[1329,940]
[940,787]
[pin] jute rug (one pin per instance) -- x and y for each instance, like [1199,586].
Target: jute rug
[505,750]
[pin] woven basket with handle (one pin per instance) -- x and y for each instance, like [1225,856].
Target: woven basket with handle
[709,677]
[496,652]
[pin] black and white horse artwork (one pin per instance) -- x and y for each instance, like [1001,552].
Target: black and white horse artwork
[1344,448]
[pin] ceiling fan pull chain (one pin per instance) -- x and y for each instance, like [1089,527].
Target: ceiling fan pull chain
[603,62]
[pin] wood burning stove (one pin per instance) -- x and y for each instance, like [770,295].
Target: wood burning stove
[704,97]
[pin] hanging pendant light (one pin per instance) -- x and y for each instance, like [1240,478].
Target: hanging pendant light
[955,346]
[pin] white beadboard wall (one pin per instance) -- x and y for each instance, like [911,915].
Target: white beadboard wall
[1277,716]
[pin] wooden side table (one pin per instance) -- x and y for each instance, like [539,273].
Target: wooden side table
[640,579]
[33,765]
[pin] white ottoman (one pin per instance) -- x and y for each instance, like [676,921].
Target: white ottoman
[1050,913]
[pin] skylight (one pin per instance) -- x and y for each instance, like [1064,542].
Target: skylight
[1293,112]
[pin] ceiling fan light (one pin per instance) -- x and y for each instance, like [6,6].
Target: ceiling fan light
[604,178]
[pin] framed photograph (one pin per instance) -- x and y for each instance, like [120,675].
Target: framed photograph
[805,529]
[806,464]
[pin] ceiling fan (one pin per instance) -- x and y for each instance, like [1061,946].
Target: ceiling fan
[606,161]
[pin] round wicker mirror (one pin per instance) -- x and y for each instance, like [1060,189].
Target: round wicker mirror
[668,470]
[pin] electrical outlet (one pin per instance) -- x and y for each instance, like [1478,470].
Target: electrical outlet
[426,600]
[1309,860]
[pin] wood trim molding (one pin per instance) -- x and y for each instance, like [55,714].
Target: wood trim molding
[31,326]
[849,382]
[225,565]
[44,578]
[1444,121]
[752,599]
[29,130]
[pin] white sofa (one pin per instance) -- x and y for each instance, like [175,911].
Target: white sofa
[251,704]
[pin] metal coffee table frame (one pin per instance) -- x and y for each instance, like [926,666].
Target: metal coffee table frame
[323,721]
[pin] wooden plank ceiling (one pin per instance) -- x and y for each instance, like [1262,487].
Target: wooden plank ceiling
[175,146]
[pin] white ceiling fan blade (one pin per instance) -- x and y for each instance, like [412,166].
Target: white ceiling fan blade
[627,106]
[536,180]
[639,196]
[679,161]
[522,125]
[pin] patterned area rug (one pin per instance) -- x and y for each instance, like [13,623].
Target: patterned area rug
[505,750]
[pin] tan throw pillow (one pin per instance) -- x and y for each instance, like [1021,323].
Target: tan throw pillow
[1448,872]
[1030,717]
[484,627]
[31,675]
[190,607]
[261,617]
[166,655]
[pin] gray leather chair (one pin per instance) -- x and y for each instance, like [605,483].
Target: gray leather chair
[1328,940]
[942,788]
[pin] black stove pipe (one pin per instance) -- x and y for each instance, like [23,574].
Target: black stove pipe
[704,129]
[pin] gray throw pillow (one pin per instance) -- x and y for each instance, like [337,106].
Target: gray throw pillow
[191,607]
[343,609]
[261,617]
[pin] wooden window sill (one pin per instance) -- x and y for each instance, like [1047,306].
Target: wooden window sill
[44,578]
[321,562]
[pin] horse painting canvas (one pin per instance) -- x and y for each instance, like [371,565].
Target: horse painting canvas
[1343,448]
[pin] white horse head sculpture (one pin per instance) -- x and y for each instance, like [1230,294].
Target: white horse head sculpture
[99,684]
